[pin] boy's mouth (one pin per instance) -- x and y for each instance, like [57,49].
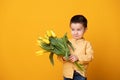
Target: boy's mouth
[76,36]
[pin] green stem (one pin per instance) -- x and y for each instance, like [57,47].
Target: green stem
[80,66]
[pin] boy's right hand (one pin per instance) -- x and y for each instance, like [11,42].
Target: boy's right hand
[73,58]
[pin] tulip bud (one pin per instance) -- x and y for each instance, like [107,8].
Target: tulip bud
[41,52]
[40,42]
[52,33]
[46,37]
[46,41]
[48,33]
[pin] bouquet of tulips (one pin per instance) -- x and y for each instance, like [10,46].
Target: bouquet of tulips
[59,46]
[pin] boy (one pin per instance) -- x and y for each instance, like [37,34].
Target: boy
[83,52]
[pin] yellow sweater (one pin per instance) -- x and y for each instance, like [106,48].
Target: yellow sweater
[83,50]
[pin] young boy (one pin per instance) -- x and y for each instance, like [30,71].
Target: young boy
[83,52]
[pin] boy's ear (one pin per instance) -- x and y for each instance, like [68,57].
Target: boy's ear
[86,29]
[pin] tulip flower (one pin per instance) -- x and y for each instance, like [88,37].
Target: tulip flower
[48,33]
[52,33]
[41,52]
[46,41]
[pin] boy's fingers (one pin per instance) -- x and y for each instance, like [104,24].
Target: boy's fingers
[71,57]
[72,60]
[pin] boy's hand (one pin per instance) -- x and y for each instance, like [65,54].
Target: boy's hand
[73,58]
[64,58]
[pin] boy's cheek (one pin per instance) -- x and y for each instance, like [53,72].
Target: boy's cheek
[72,32]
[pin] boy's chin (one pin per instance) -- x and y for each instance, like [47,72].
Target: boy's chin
[77,37]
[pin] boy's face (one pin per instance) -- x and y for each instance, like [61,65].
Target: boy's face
[77,30]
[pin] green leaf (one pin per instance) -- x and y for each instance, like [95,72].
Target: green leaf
[70,44]
[51,58]
[45,46]
[67,56]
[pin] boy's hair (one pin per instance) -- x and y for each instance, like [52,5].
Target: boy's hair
[79,19]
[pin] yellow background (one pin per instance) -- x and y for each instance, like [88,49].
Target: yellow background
[22,21]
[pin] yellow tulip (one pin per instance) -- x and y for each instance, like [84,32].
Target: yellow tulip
[39,42]
[48,33]
[52,33]
[46,41]
[43,40]
[40,52]
[46,37]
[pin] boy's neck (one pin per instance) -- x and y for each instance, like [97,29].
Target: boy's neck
[79,38]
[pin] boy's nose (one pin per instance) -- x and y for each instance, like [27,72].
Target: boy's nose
[75,32]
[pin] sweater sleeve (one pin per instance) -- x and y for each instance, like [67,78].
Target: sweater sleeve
[88,56]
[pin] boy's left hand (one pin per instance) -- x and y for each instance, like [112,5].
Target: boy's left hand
[73,58]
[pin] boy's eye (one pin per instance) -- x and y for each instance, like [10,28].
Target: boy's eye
[73,29]
[78,29]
